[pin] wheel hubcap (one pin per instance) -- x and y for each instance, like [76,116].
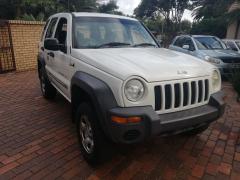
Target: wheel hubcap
[86,134]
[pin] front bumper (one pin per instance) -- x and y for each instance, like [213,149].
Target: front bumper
[154,124]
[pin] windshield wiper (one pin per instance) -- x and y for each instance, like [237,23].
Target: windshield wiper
[144,44]
[113,44]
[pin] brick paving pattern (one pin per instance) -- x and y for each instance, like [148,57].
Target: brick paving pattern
[38,141]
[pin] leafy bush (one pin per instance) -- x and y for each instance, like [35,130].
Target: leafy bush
[211,26]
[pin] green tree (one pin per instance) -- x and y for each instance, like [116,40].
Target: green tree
[42,9]
[210,26]
[156,24]
[209,8]
[185,27]
[213,17]
[17,9]
[172,12]
[78,5]
[109,7]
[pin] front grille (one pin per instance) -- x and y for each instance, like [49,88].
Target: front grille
[181,94]
[230,60]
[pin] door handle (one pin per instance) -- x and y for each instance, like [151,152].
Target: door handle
[51,54]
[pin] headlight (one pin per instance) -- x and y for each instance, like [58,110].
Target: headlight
[216,81]
[134,90]
[212,60]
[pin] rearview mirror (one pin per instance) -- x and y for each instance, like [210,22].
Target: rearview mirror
[51,44]
[187,47]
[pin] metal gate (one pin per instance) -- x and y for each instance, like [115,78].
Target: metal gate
[7,61]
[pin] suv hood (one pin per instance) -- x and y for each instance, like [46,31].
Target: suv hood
[220,53]
[152,64]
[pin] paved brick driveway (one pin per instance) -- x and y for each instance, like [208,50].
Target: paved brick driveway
[38,141]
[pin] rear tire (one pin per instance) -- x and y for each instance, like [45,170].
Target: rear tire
[47,89]
[92,141]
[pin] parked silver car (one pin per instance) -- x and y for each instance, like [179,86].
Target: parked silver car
[233,44]
[208,48]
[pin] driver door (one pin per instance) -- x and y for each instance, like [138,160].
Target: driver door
[62,57]
[47,54]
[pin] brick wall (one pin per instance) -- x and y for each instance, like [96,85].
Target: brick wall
[25,38]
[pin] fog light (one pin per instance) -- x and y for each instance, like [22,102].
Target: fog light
[123,120]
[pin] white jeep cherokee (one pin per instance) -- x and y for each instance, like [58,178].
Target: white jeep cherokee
[122,86]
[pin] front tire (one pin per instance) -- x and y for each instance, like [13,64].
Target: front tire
[47,89]
[92,141]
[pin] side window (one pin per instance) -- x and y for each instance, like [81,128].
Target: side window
[44,29]
[61,31]
[179,42]
[188,41]
[51,27]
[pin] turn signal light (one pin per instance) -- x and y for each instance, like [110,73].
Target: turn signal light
[123,120]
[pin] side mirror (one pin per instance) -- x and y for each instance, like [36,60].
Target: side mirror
[51,44]
[187,47]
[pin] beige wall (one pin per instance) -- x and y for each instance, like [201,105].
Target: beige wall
[25,38]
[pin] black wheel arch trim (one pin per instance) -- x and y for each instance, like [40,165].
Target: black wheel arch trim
[41,63]
[100,94]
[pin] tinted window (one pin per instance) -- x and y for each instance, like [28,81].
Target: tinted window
[61,31]
[51,28]
[92,32]
[188,41]
[179,42]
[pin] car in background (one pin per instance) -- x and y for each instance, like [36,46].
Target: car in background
[210,49]
[233,44]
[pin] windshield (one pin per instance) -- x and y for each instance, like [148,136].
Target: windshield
[204,43]
[101,32]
